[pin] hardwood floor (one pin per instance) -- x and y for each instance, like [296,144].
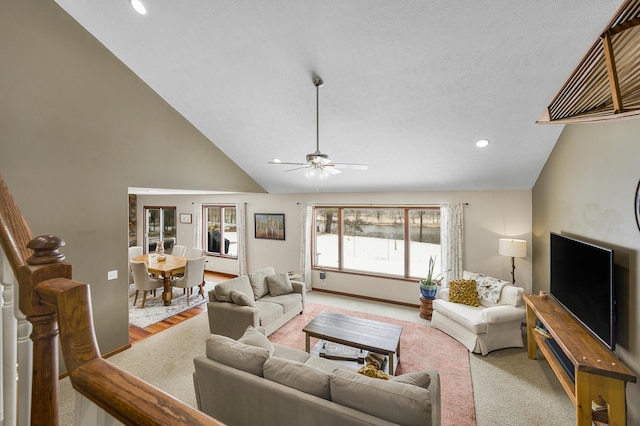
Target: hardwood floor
[137,334]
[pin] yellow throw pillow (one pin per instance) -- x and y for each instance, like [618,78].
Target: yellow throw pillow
[463,291]
[372,371]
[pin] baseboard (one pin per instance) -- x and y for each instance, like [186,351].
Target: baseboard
[359,296]
[104,356]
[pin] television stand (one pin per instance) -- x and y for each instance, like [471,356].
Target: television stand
[598,372]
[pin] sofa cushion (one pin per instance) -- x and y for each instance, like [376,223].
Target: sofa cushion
[241,299]
[395,402]
[258,280]
[327,365]
[299,376]
[463,291]
[255,338]
[291,354]
[289,301]
[235,354]
[416,378]
[268,312]
[279,284]
[224,288]
[470,317]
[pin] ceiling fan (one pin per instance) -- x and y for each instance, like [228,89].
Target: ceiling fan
[319,165]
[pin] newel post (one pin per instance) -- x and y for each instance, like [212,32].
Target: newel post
[45,263]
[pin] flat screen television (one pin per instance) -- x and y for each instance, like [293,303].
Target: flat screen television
[582,281]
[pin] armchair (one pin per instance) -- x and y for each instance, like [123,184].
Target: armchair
[494,324]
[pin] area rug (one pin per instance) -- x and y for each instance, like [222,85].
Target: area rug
[421,347]
[154,310]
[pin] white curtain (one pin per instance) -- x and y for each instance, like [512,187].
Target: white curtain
[451,241]
[305,243]
[197,225]
[242,237]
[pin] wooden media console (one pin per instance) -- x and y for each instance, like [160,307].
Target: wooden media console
[597,372]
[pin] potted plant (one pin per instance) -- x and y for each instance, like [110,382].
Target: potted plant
[429,285]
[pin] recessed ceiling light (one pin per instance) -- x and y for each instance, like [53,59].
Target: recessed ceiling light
[139,7]
[482,143]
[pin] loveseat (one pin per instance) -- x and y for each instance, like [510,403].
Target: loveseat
[494,324]
[254,382]
[260,299]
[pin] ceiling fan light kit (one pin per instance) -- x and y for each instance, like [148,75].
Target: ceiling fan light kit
[318,165]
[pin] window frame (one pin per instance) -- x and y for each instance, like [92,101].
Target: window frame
[340,233]
[205,224]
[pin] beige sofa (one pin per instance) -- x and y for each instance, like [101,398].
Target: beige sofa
[260,299]
[246,382]
[495,324]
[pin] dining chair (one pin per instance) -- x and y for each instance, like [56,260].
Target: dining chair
[143,281]
[193,277]
[178,250]
[134,251]
[196,252]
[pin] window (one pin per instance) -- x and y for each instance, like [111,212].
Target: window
[160,224]
[388,241]
[220,233]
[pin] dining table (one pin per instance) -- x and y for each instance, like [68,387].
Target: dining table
[165,268]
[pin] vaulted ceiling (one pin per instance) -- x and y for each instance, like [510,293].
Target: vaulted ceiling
[409,86]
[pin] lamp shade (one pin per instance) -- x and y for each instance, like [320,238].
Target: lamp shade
[512,248]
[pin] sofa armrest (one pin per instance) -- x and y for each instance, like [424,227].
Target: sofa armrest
[502,313]
[511,295]
[301,288]
[231,320]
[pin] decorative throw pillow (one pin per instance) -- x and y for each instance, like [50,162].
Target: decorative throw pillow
[253,337]
[258,281]
[417,378]
[279,284]
[241,299]
[241,284]
[463,291]
[488,288]
[371,371]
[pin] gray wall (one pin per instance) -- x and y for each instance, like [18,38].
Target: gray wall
[77,128]
[587,189]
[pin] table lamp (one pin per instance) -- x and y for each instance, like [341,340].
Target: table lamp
[512,248]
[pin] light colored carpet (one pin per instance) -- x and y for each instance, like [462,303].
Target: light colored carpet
[154,310]
[509,388]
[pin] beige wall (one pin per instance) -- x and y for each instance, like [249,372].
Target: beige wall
[489,216]
[77,128]
[587,189]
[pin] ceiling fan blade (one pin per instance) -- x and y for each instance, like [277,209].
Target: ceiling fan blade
[287,163]
[332,170]
[321,161]
[297,168]
[352,166]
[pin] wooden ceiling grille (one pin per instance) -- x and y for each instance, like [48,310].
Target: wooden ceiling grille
[606,83]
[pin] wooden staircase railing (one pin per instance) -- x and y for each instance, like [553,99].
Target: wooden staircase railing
[56,305]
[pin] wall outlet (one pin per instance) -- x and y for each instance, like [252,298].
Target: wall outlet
[112,275]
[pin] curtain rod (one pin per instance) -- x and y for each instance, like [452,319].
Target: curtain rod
[380,205]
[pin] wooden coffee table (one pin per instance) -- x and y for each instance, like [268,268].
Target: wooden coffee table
[373,336]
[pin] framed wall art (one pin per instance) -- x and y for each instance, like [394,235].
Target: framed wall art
[269,226]
[185,217]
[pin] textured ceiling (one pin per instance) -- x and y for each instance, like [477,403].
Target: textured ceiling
[409,85]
